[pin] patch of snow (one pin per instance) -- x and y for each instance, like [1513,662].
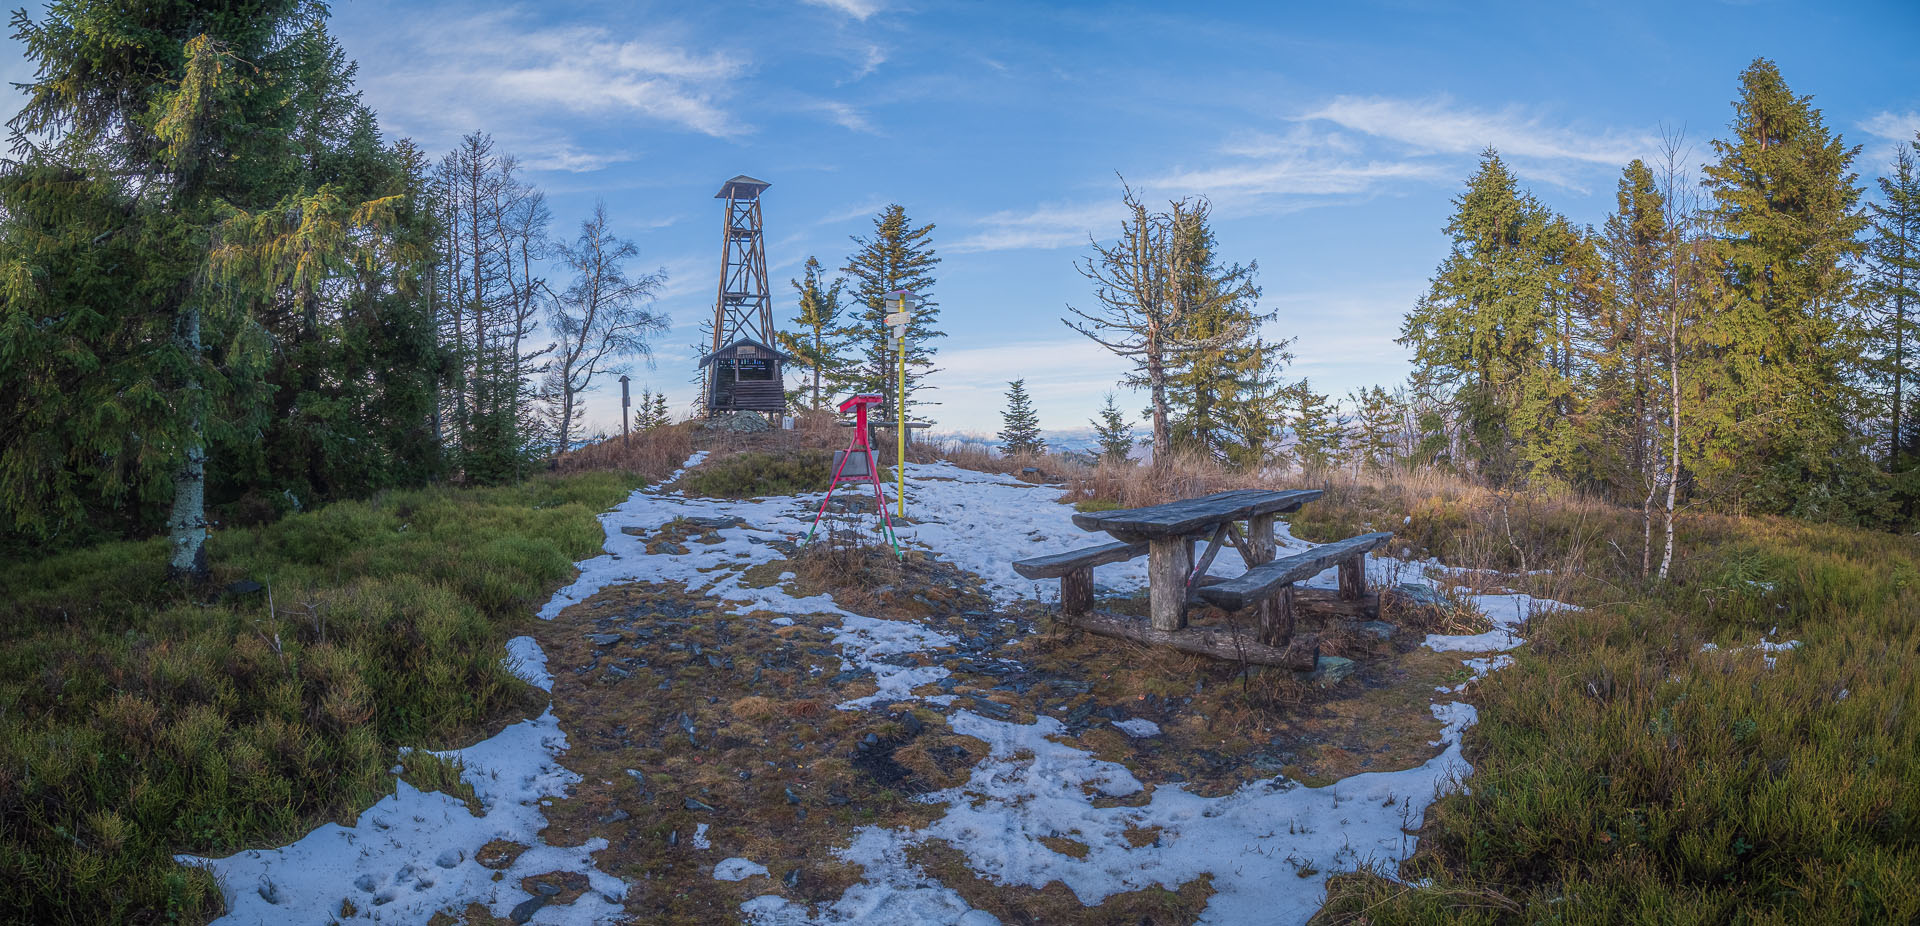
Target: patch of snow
[1766,647]
[412,854]
[737,869]
[1138,727]
[700,837]
[527,660]
[1507,612]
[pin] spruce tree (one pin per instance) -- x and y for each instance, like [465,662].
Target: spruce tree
[191,123]
[1500,328]
[820,339]
[897,256]
[1020,428]
[1319,431]
[1222,324]
[1893,252]
[1776,395]
[1113,433]
[1629,384]
[661,416]
[1376,425]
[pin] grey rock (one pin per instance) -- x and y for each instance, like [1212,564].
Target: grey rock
[792,878]
[1329,671]
[604,639]
[246,587]
[696,804]
[1380,629]
[546,888]
[615,817]
[792,798]
[526,909]
[1422,595]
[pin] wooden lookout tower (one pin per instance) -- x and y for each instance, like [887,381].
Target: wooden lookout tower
[743,368]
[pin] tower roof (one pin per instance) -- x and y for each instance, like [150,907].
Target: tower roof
[741,187]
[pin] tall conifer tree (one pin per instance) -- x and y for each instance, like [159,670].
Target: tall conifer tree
[1777,400]
[897,256]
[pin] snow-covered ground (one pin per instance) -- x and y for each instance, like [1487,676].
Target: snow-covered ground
[1269,846]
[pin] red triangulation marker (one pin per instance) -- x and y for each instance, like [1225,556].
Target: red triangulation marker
[858,405]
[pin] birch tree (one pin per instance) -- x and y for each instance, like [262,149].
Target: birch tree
[603,317]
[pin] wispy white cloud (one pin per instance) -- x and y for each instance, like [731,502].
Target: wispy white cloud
[864,210]
[1438,124]
[844,115]
[1890,131]
[1067,374]
[437,75]
[1051,225]
[563,156]
[858,9]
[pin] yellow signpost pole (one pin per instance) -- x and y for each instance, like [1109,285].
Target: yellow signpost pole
[901,432]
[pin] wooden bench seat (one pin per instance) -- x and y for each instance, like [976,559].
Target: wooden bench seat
[1273,581]
[1074,569]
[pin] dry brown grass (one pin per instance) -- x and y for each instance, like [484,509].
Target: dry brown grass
[654,453]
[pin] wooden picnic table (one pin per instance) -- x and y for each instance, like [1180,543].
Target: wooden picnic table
[1170,532]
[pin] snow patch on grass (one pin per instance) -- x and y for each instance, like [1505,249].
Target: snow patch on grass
[413,853]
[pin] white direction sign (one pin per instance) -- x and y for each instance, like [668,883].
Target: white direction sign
[898,318]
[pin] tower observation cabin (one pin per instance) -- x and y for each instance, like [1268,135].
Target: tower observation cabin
[743,368]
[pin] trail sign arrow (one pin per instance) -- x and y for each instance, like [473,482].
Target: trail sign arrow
[898,318]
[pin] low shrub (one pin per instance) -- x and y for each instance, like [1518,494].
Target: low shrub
[138,720]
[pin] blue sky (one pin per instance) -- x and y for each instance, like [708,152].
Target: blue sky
[1331,139]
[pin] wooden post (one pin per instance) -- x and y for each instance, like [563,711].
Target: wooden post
[1269,613]
[625,402]
[1076,592]
[1169,563]
[1353,578]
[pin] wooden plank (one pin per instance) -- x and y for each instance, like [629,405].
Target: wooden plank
[1057,565]
[1169,563]
[1193,514]
[1218,644]
[1261,581]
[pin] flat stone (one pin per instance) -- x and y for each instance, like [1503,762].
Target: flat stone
[605,639]
[696,804]
[1422,595]
[1380,629]
[546,888]
[526,909]
[246,587]
[1329,671]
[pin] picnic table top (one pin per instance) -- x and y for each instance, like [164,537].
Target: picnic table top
[1187,516]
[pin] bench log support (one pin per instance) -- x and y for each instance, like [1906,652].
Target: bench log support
[1076,592]
[1353,578]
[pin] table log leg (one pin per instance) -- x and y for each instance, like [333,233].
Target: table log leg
[1268,613]
[1169,562]
[1076,592]
[1353,578]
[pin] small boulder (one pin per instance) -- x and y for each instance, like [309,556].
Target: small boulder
[1329,671]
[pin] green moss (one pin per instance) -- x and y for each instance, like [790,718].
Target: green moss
[138,720]
[757,474]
